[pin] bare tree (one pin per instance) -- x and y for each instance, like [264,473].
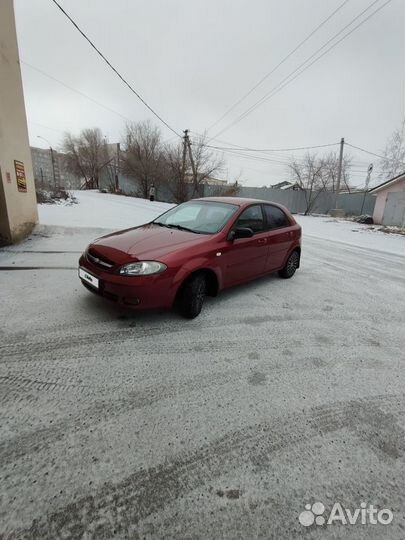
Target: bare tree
[314,174]
[188,166]
[86,155]
[175,173]
[394,154]
[330,171]
[142,156]
[308,175]
[206,164]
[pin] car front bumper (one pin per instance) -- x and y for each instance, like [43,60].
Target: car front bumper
[143,292]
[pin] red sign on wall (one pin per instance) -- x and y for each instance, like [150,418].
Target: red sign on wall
[20,175]
[8,177]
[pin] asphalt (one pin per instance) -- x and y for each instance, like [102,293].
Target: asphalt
[118,424]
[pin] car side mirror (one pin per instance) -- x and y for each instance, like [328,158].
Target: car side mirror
[240,232]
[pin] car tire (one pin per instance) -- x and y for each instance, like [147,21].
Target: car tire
[291,265]
[192,296]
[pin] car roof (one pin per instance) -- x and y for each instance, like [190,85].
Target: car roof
[239,201]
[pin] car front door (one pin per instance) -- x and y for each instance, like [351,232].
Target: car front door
[279,237]
[245,258]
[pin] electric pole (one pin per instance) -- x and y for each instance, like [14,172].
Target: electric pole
[53,167]
[369,171]
[339,175]
[117,168]
[55,183]
[185,146]
[190,153]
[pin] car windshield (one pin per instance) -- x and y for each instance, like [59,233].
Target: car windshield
[200,217]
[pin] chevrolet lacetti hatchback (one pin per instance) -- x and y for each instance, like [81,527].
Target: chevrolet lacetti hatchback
[192,250]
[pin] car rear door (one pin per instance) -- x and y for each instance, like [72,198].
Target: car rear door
[245,258]
[280,236]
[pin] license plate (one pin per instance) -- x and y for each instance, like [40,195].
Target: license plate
[88,278]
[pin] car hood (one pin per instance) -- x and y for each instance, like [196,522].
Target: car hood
[148,242]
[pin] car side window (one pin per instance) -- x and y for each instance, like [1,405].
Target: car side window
[252,218]
[275,217]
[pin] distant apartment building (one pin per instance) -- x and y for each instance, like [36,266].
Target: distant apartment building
[50,170]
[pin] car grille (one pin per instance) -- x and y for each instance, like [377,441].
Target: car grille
[101,292]
[102,262]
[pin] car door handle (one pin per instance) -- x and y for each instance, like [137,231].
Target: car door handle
[262,241]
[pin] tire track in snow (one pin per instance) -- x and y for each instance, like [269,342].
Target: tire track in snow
[146,492]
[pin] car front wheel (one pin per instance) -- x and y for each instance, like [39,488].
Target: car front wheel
[192,296]
[291,265]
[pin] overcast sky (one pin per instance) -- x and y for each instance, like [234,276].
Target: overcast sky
[192,60]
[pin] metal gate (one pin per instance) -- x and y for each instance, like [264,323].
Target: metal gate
[394,211]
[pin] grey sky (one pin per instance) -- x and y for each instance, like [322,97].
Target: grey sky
[192,60]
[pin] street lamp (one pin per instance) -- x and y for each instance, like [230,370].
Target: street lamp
[52,158]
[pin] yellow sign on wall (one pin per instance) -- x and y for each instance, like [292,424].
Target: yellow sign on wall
[20,175]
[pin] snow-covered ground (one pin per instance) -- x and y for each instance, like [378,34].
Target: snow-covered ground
[351,233]
[120,424]
[102,210]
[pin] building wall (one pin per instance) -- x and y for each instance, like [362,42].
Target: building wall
[381,199]
[18,210]
[43,170]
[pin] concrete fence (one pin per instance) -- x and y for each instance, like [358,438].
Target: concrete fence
[295,201]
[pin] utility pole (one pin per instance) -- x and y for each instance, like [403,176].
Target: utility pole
[369,171]
[185,146]
[193,167]
[340,167]
[190,153]
[117,168]
[52,160]
[53,167]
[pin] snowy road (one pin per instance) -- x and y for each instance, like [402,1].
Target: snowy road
[282,393]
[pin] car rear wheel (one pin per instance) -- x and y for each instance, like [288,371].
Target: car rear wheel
[291,265]
[192,296]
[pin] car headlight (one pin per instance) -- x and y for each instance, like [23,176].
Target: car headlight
[144,268]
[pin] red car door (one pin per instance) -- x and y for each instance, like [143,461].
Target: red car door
[245,258]
[280,237]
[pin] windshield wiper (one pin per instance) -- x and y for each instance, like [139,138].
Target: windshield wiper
[173,226]
[181,228]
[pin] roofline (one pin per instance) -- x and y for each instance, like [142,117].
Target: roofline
[387,182]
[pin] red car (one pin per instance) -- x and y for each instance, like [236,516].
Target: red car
[192,250]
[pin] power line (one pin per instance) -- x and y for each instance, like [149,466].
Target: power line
[235,153]
[83,95]
[288,79]
[45,127]
[372,153]
[114,69]
[267,75]
[74,90]
[292,149]
[247,149]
